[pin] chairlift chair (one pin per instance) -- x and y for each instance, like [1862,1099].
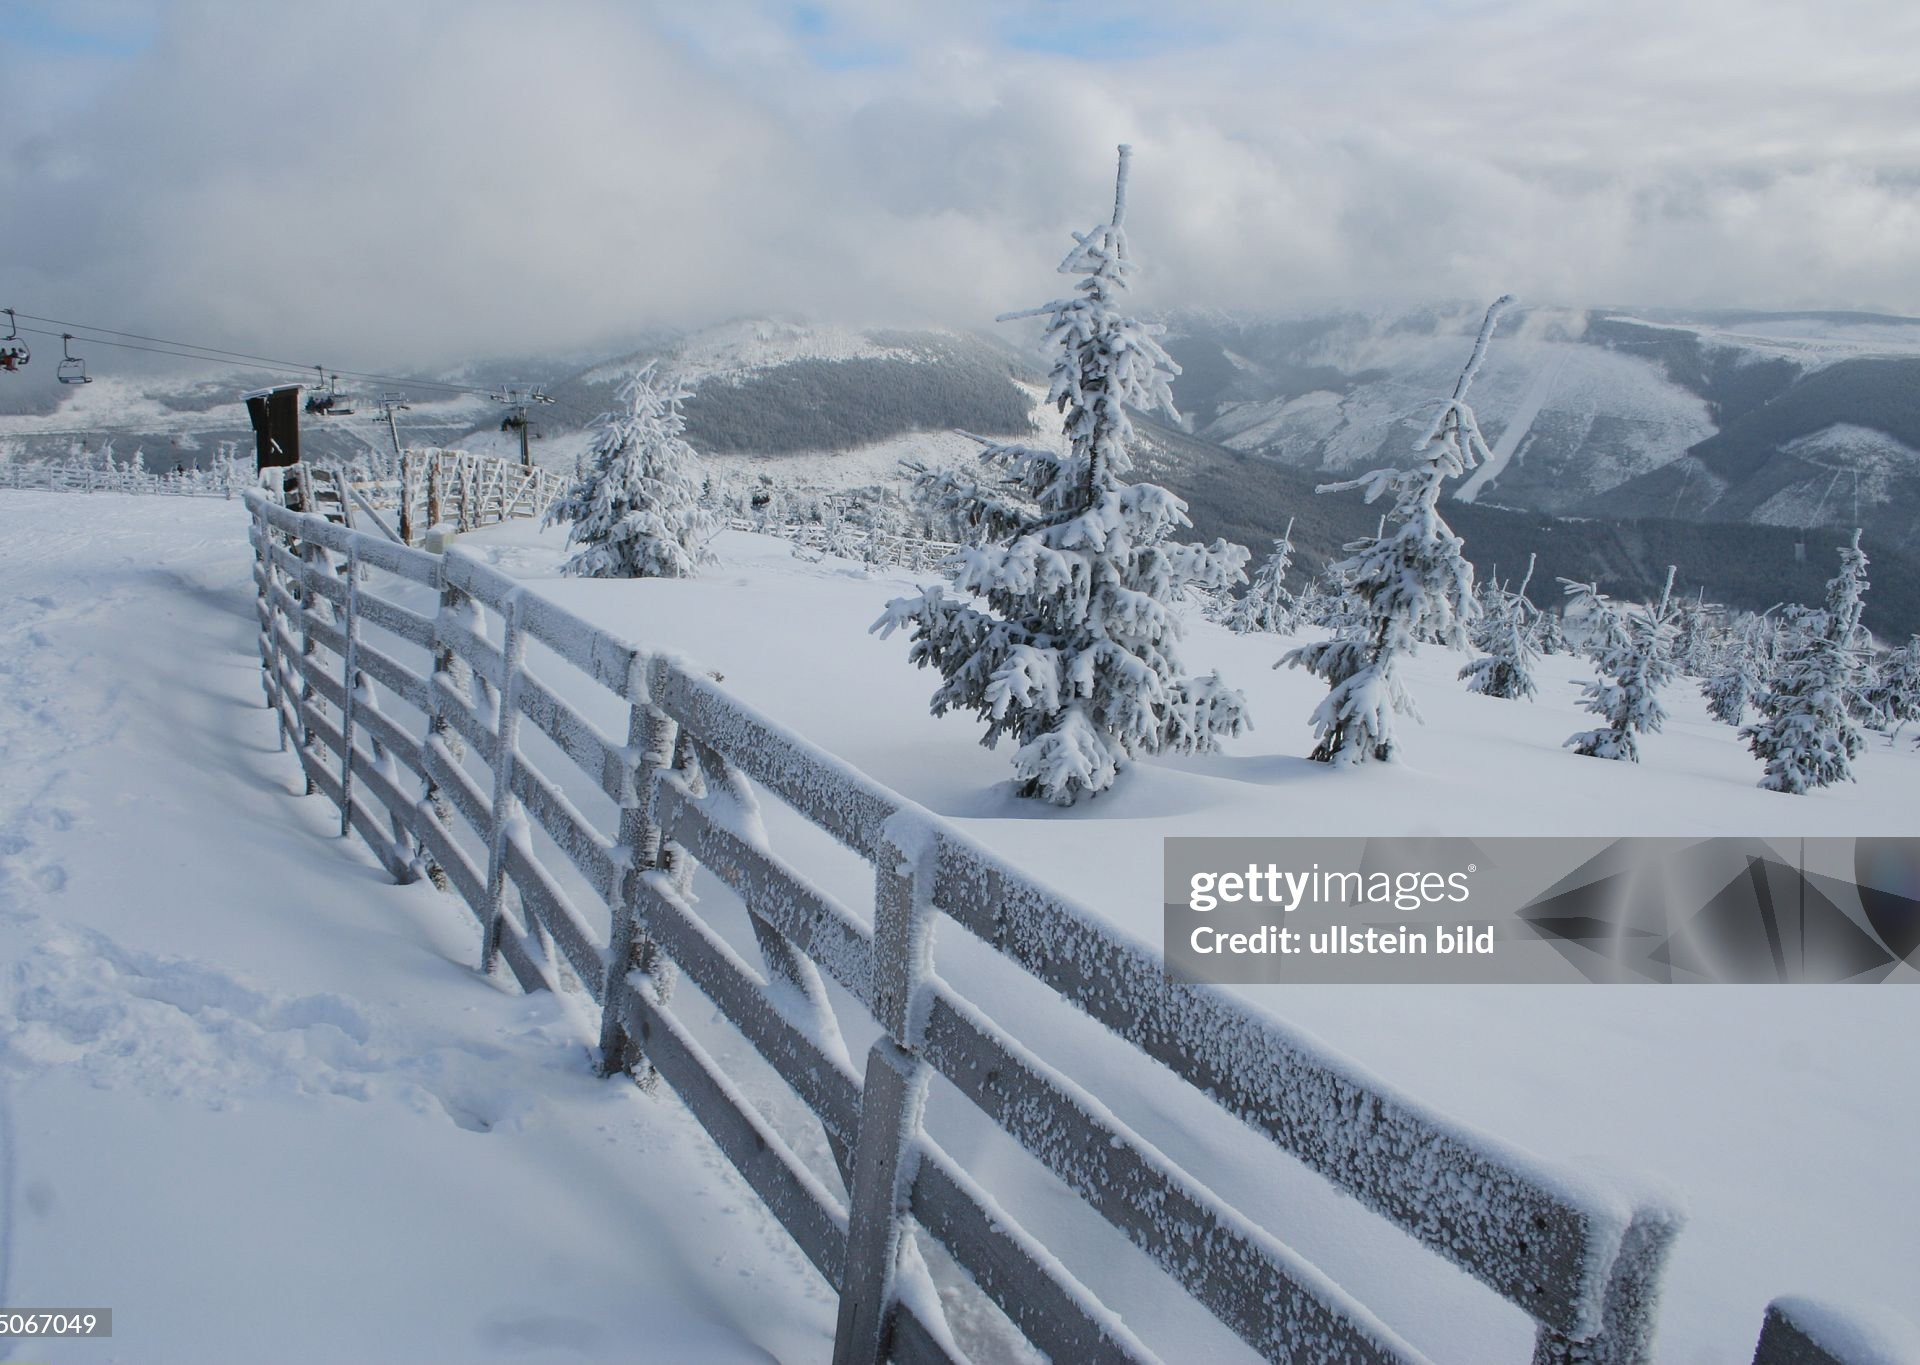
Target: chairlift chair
[73,369]
[13,351]
[326,400]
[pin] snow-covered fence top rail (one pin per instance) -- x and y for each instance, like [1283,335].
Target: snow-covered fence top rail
[485,813]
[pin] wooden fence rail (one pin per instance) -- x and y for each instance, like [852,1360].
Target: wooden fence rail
[455,795]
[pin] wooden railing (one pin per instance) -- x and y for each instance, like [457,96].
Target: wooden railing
[67,476]
[465,490]
[457,790]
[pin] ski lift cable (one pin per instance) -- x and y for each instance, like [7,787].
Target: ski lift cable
[215,352]
[187,350]
[290,367]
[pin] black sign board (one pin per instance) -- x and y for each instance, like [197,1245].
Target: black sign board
[276,425]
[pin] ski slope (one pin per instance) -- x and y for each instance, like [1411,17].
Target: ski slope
[252,1095]
[255,1099]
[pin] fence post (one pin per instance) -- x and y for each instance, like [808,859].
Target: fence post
[894,1097]
[434,496]
[651,739]
[504,809]
[308,699]
[349,670]
[408,482]
[449,678]
[269,615]
[1629,1308]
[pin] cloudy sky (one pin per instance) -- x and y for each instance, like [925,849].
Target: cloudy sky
[384,183]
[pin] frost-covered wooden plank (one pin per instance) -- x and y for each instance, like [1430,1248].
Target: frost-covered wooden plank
[461,873]
[540,896]
[291,566]
[409,686]
[914,1343]
[480,582]
[454,712]
[382,788]
[484,659]
[1273,1299]
[416,566]
[1268,1294]
[891,1104]
[331,586]
[793,980]
[837,797]
[356,813]
[282,602]
[320,679]
[585,847]
[1629,1303]
[805,1207]
[833,1094]
[1498,1213]
[1800,1331]
[408,625]
[317,629]
[452,780]
[603,761]
[1052,1308]
[815,922]
[604,657]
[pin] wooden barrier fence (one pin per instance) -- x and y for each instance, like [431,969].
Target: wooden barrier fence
[455,793]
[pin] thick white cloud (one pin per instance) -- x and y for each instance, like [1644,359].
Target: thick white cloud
[376,182]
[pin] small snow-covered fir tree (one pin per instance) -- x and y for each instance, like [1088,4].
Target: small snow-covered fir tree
[1267,606]
[1633,653]
[1894,693]
[1551,634]
[1806,733]
[1506,669]
[1062,631]
[1736,679]
[1404,587]
[634,510]
[1693,635]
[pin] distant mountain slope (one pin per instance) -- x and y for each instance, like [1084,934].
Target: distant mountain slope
[1839,444]
[1248,499]
[1772,419]
[779,388]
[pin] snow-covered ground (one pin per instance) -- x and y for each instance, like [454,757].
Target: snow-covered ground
[257,1102]
[252,1095]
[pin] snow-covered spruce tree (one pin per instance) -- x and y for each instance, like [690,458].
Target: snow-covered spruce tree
[1894,693]
[1694,635]
[1404,587]
[1061,632]
[634,511]
[1267,606]
[1551,634]
[1633,654]
[1806,733]
[1506,669]
[1732,683]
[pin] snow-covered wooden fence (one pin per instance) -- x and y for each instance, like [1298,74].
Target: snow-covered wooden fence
[460,791]
[466,490]
[220,481]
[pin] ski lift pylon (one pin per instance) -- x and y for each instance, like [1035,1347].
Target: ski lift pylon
[73,369]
